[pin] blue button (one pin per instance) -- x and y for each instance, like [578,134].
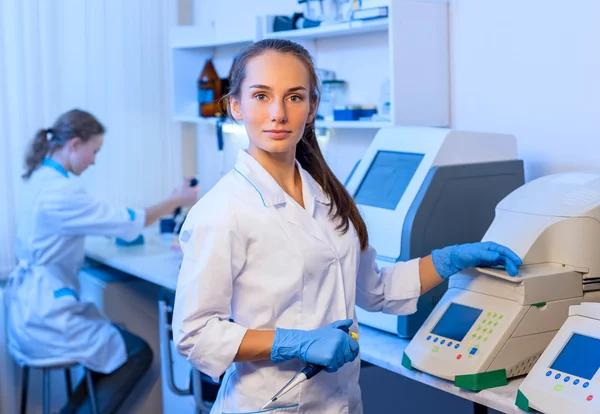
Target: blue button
[456,346]
[442,342]
[450,343]
[435,339]
[576,382]
[429,337]
[557,376]
[548,373]
[567,379]
[473,351]
[586,384]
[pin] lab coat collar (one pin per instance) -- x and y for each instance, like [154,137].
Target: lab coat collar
[270,191]
[48,162]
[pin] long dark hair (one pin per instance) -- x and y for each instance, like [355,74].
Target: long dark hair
[342,208]
[75,123]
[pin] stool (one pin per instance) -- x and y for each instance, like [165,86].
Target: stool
[46,385]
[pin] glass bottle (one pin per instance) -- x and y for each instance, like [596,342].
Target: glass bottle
[209,90]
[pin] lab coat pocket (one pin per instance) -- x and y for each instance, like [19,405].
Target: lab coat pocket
[274,410]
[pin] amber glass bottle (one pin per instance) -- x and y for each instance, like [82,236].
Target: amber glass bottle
[209,90]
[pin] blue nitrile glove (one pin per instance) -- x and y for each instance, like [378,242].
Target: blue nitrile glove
[328,346]
[451,259]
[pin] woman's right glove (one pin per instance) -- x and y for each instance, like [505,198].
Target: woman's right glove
[328,346]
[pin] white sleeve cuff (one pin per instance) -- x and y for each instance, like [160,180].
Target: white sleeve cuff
[217,345]
[402,287]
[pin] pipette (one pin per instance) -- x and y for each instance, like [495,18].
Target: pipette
[307,372]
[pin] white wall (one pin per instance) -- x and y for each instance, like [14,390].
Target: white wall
[532,69]
[107,57]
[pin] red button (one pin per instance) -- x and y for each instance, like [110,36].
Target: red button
[459,356]
[590,397]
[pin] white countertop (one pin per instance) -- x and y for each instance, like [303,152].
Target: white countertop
[156,262]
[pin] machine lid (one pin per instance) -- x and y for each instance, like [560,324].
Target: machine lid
[571,194]
[527,272]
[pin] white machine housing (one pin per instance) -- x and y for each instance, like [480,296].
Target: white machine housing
[566,378]
[553,223]
[438,147]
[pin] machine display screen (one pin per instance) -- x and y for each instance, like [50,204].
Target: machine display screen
[456,322]
[579,357]
[387,178]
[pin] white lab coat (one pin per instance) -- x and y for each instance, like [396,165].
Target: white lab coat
[255,259]
[47,321]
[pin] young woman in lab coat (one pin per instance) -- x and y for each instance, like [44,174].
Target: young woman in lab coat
[276,255]
[47,320]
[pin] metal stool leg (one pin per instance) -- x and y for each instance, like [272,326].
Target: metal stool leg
[46,390]
[68,383]
[91,393]
[24,385]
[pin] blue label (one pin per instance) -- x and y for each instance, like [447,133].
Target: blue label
[205,96]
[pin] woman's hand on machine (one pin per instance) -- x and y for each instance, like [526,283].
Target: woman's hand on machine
[451,259]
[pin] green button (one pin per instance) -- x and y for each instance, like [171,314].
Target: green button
[484,321]
[491,331]
[501,316]
[495,314]
[485,330]
[474,336]
[435,349]
[490,322]
[495,323]
[479,328]
[558,388]
[479,337]
[489,314]
[485,338]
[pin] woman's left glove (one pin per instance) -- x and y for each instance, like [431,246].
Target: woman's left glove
[451,259]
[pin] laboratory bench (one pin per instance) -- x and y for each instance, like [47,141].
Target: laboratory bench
[156,262]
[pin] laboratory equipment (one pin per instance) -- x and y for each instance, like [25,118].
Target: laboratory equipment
[323,10]
[333,94]
[490,326]
[420,189]
[566,378]
[354,112]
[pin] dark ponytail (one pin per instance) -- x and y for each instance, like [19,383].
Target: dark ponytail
[75,123]
[342,208]
[37,152]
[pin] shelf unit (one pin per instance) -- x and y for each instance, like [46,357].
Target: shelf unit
[410,47]
[351,28]
[318,123]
